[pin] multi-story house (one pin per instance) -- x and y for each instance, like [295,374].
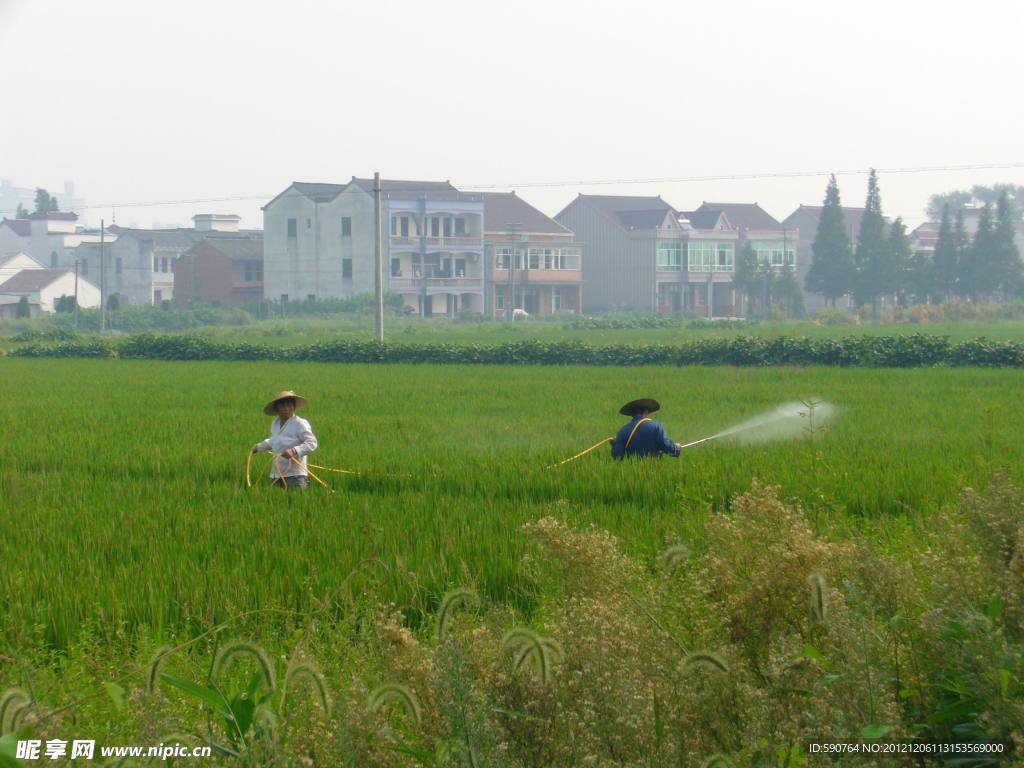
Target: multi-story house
[707,270]
[138,265]
[635,248]
[49,238]
[319,242]
[532,262]
[774,246]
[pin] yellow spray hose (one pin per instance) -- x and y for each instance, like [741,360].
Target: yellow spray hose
[275,456]
[582,453]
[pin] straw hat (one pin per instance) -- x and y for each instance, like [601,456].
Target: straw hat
[634,407]
[271,408]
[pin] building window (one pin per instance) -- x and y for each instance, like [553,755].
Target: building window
[346,267]
[724,259]
[293,228]
[460,226]
[569,259]
[670,256]
[346,226]
[404,226]
[556,299]
[163,264]
[118,265]
[534,258]
[502,258]
[158,296]
[396,267]
[435,227]
[53,259]
[499,300]
[310,297]
[309,223]
[85,266]
[447,226]
[156,264]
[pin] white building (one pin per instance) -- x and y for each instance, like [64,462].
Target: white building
[48,285]
[319,243]
[49,238]
[12,264]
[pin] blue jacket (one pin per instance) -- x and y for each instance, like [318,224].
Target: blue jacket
[650,440]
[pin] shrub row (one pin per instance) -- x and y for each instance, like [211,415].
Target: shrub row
[873,351]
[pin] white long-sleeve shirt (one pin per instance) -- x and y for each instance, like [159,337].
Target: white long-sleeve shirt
[295,434]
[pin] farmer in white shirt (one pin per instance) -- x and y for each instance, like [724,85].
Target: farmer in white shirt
[291,440]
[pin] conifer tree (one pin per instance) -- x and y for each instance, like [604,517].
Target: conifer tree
[1005,257]
[872,253]
[977,275]
[945,264]
[895,278]
[831,271]
[962,252]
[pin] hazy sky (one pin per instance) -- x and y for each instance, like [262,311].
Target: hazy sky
[151,101]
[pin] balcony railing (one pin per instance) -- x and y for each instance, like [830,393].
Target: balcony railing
[418,283]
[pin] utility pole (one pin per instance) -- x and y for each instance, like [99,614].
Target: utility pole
[510,299]
[76,295]
[378,271]
[103,281]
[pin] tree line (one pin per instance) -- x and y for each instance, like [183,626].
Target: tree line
[882,263]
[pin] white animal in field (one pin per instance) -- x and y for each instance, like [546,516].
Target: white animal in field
[520,314]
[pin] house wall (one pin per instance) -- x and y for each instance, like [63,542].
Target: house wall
[618,268]
[203,276]
[88,294]
[311,263]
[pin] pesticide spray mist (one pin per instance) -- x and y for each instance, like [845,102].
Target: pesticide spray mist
[788,421]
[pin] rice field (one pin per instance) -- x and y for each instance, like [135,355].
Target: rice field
[125,507]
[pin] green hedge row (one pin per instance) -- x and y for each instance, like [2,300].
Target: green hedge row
[874,351]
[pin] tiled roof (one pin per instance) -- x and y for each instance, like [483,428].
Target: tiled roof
[21,227]
[851,217]
[393,186]
[317,191]
[651,219]
[504,208]
[236,248]
[702,219]
[744,215]
[628,211]
[32,280]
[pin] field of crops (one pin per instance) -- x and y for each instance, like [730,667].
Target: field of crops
[127,523]
[124,494]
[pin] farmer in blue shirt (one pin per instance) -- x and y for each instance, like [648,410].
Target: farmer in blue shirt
[642,436]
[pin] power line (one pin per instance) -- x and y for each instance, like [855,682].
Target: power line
[610,182]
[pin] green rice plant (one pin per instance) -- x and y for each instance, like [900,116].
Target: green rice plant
[526,646]
[453,599]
